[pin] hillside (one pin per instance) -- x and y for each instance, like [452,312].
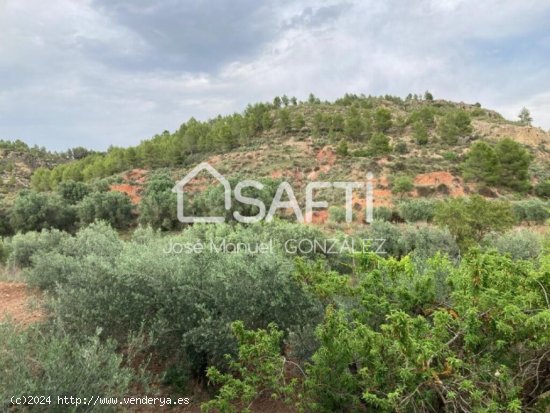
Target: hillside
[313,140]
[439,305]
[415,147]
[18,161]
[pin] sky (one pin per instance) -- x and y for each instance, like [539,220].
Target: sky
[97,73]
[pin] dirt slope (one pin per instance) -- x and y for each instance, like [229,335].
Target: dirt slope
[16,303]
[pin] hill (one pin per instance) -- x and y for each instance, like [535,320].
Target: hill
[415,147]
[18,161]
[424,136]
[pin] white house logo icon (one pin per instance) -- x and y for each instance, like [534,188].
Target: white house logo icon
[178,189]
[277,203]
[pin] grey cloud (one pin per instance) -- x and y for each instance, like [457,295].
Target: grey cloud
[191,35]
[315,18]
[101,72]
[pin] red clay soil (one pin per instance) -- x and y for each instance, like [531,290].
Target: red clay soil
[326,156]
[14,304]
[131,190]
[136,175]
[434,179]
[133,184]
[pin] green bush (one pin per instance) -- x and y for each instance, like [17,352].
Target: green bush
[514,164]
[4,251]
[521,245]
[382,120]
[401,148]
[420,133]
[35,362]
[533,210]
[24,246]
[5,226]
[72,191]
[387,236]
[425,116]
[210,201]
[113,207]
[450,156]
[158,206]
[402,184]
[383,213]
[455,124]
[470,219]
[337,214]
[379,144]
[188,299]
[426,242]
[342,148]
[389,342]
[482,164]
[34,211]
[415,210]
[542,189]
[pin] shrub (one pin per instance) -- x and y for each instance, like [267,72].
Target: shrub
[123,287]
[40,363]
[158,206]
[450,156]
[4,251]
[113,207]
[426,242]
[379,144]
[354,125]
[5,226]
[34,211]
[542,189]
[24,246]
[72,191]
[383,213]
[533,210]
[298,122]
[401,148]
[470,219]
[415,210]
[420,133]
[402,184]
[208,203]
[387,236]
[475,349]
[252,374]
[342,148]
[284,123]
[337,214]
[514,164]
[425,116]
[455,124]
[382,120]
[521,245]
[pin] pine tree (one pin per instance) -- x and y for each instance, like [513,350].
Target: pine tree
[525,117]
[482,164]
[420,133]
[354,126]
[514,164]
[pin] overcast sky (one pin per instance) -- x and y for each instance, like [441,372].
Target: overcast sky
[102,72]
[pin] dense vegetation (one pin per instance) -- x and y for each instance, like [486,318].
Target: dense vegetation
[440,305]
[370,122]
[416,329]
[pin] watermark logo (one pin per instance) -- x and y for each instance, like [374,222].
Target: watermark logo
[277,203]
